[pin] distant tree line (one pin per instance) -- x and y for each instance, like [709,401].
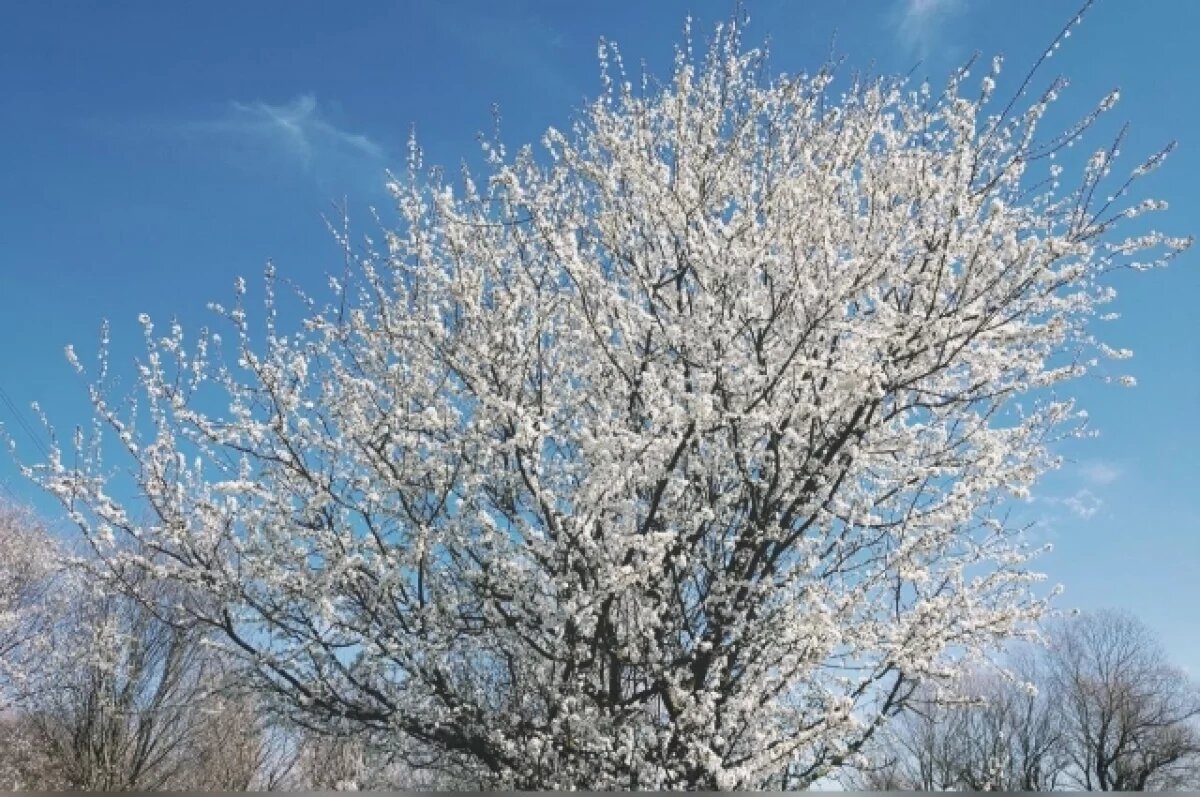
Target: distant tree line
[101,691]
[1098,708]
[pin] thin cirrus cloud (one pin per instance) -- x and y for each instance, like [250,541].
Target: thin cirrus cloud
[299,129]
[917,23]
[1083,504]
[1099,473]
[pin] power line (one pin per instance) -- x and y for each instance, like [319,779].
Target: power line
[16,413]
[20,418]
[11,494]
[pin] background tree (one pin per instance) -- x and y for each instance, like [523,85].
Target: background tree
[1098,708]
[993,733]
[119,701]
[1012,740]
[238,744]
[352,761]
[27,573]
[921,750]
[673,458]
[1130,717]
[108,692]
[122,696]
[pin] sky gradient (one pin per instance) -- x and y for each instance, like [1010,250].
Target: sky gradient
[152,152]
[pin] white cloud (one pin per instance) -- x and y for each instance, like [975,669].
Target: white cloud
[1083,503]
[917,22]
[1099,473]
[298,128]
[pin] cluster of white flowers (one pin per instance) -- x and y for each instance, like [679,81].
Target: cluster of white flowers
[672,457]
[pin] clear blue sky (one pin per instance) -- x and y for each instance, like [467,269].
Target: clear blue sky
[151,152]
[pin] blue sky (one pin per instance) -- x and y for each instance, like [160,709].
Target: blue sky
[152,152]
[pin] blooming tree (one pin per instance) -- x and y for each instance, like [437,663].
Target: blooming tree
[28,566]
[672,455]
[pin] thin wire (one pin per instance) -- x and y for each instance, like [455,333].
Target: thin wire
[16,413]
[16,501]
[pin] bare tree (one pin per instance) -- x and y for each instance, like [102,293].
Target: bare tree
[119,692]
[997,730]
[102,690]
[23,765]
[1011,738]
[1130,717]
[919,751]
[162,717]
[238,744]
[1098,708]
[927,747]
[350,760]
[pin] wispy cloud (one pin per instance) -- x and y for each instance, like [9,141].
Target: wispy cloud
[1084,503]
[917,23]
[1089,478]
[303,127]
[299,128]
[1099,473]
